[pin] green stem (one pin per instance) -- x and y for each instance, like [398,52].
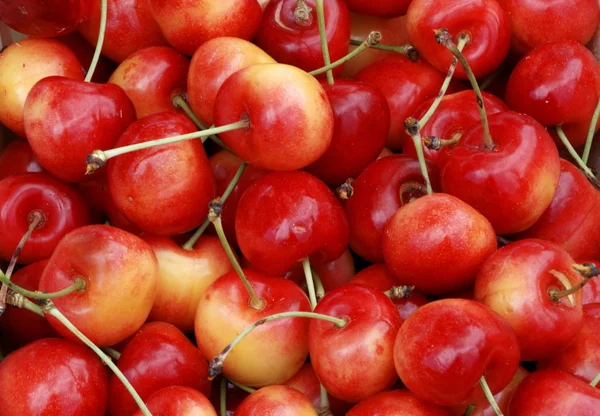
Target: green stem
[408,50]
[19,301]
[189,245]
[371,40]
[100,42]
[241,386]
[309,282]
[590,135]
[323,36]
[319,289]
[179,102]
[565,141]
[470,409]
[78,285]
[595,381]
[414,131]
[324,399]
[223,396]
[489,396]
[111,352]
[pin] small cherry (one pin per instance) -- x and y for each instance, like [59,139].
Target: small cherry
[276,400]
[178,401]
[18,158]
[400,402]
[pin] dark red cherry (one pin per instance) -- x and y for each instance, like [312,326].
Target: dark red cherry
[381,8]
[18,158]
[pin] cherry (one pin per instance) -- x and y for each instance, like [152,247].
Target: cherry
[121,273]
[513,182]
[356,361]
[177,177]
[401,402]
[361,124]
[53,377]
[266,95]
[234,395]
[85,54]
[22,65]
[533,88]
[65,120]
[177,401]
[158,356]
[276,400]
[18,158]
[446,347]
[518,282]
[214,62]
[291,36]
[385,8]
[286,217]
[554,392]
[60,208]
[591,291]
[382,187]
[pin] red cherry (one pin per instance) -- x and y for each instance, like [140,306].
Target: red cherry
[234,394]
[18,158]
[511,185]
[53,377]
[296,42]
[382,187]
[178,401]
[62,209]
[356,361]
[383,8]
[151,77]
[121,273]
[85,54]
[400,402]
[65,120]
[591,291]
[445,347]
[286,217]
[484,20]
[177,177]
[187,24]
[158,356]
[517,282]
[276,400]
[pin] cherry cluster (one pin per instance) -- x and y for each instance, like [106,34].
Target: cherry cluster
[299,207]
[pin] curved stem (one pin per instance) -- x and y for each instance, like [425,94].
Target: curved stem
[309,282]
[100,42]
[50,309]
[77,286]
[414,131]
[319,289]
[241,386]
[565,141]
[373,39]
[489,396]
[323,36]
[180,102]
[590,135]
[223,396]
[595,381]
[216,365]
[408,50]
[435,143]
[189,245]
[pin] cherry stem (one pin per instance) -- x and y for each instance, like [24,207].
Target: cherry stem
[303,13]
[587,270]
[241,386]
[98,158]
[444,38]
[319,289]
[50,309]
[435,143]
[595,381]
[323,36]
[582,165]
[407,188]
[345,190]
[373,39]
[189,245]
[223,397]
[411,125]
[503,241]
[463,39]
[214,215]
[470,409]
[100,42]
[215,367]
[399,292]
[489,396]
[409,50]
[77,286]
[590,135]
[36,219]
[309,282]
[112,353]
[325,408]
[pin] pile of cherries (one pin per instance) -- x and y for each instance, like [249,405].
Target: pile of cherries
[299,207]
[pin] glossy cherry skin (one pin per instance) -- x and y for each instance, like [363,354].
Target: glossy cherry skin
[65,120]
[22,65]
[535,22]
[85,53]
[356,361]
[445,347]
[511,185]
[379,277]
[296,44]
[272,353]
[591,291]
[377,196]
[291,121]
[158,356]
[406,85]
[18,158]
[285,217]
[214,62]
[20,327]
[573,217]
[177,401]
[276,400]
[515,282]
[385,8]
[151,77]
[361,124]
[484,20]
[396,402]
[129,28]
[121,274]
[456,114]
[53,377]
[184,275]
[62,207]
[40,19]
[177,177]
[554,392]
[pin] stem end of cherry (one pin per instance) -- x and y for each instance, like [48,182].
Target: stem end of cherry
[94,161]
[345,190]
